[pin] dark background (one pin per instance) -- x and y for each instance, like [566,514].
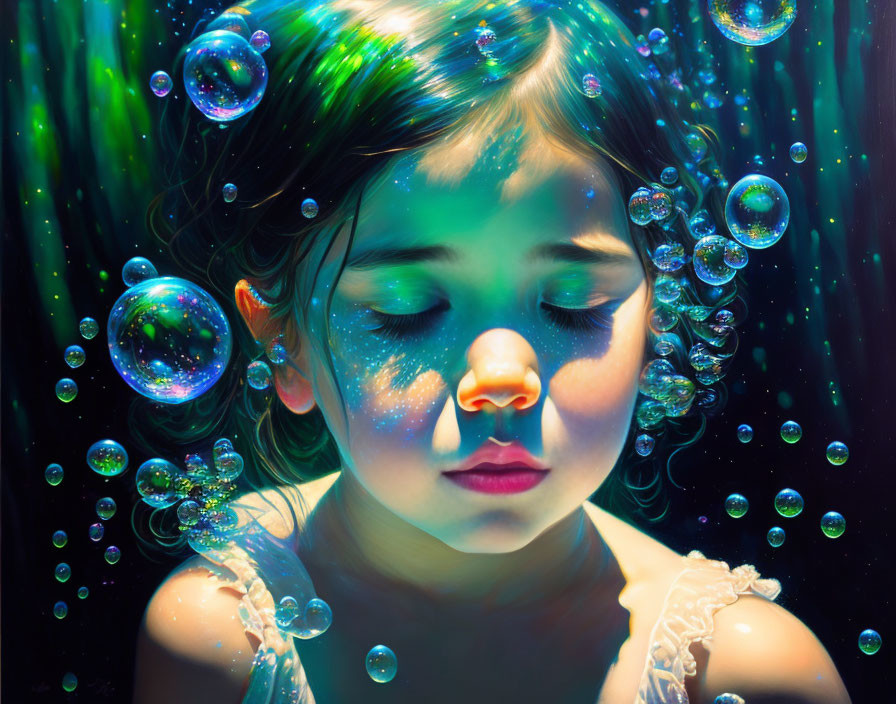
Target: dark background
[817,348]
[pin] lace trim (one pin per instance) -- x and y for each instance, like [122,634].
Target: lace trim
[703,587]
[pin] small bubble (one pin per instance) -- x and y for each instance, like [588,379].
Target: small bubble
[869,641]
[155,482]
[729,698]
[112,554]
[744,433]
[260,41]
[669,175]
[66,390]
[88,328]
[309,208]
[833,524]
[275,350]
[591,85]
[644,445]
[83,592]
[137,270]
[791,432]
[381,664]
[789,503]
[160,83]
[54,474]
[703,519]
[96,532]
[798,152]
[188,513]
[736,505]
[837,453]
[74,356]
[107,458]
[776,537]
[60,609]
[757,211]
[63,572]
[60,538]
[258,375]
[752,23]
[69,682]
[229,192]
[105,508]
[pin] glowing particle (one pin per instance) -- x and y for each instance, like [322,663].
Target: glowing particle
[789,503]
[381,664]
[736,505]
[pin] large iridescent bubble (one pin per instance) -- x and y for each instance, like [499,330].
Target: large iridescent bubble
[224,75]
[757,211]
[169,339]
[752,22]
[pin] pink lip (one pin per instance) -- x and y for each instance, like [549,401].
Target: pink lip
[496,469]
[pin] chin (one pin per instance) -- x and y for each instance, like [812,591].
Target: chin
[493,533]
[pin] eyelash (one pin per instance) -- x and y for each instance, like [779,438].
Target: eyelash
[581,320]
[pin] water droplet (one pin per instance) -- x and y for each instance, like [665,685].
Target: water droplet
[60,538]
[833,524]
[136,270]
[381,664]
[66,390]
[160,83]
[798,152]
[309,208]
[223,75]
[776,537]
[105,508]
[74,356]
[757,211]
[54,474]
[169,339]
[752,22]
[107,457]
[837,453]
[258,375]
[744,433]
[155,482]
[869,641]
[88,328]
[736,505]
[112,554]
[791,432]
[63,572]
[789,503]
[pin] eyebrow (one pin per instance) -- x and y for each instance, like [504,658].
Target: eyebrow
[558,251]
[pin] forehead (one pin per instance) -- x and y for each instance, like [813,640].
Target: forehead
[508,198]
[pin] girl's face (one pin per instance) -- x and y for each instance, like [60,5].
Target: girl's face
[489,309]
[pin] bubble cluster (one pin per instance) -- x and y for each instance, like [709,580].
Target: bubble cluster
[229,192]
[258,375]
[736,505]
[60,609]
[107,457]
[136,270]
[591,85]
[744,433]
[776,537]
[155,482]
[74,356]
[798,152]
[224,75]
[381,664]
[869,641]
[105,508]
[309,208]
[305,623]
[169,339]
[66,390]
[837,453]
[63,571]
[789,503]
[260,41]
[752,22]
[757,211]
[96,531]
[60,538]
[648,205]
[88,328]
[54,474]
[160,83]
[112,555]
[644,444]
[833,524]
[673,392]
[791,432]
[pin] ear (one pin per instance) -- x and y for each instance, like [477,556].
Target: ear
[291,379]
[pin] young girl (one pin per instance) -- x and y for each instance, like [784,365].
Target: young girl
[462,320]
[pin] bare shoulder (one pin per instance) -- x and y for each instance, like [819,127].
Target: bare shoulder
[192,645]
[762,652]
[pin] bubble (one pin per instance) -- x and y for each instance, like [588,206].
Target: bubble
[711,99]
[69,682]
[736,505]
[188,513]
[869,641]
[260,41]
[709,261]
[223,75]
[663,319]
[83,592]
[837,453]
[107,457]
[309,208]
[744,433]
[752,22]
[112,554]
[286,612]
[74,356]
[229,22]
[641,46]
[669,257]
[229,465]
[833,524]
[316,619]
[136,270]
[96,531]
[789,503]
[644,445]
[258,375]
[702,225]
[735,256]
[798,152]
[60,538]
[66,390]
[485,37]
[757,211]
[63,571]
[639,207]
[229,192]
[160,83]
[728,698]
[155,482]
[169,339]
[665,344]
[221,446]
[776,537]
[105,508]
[669,175]
[591,85]
[60,609]
[791,432]
[54,474]
[381,664]
[703,519]
[660,204]
[650,413]
[696,144]
[658,41]
[275,350]
[666,289]
[89,328]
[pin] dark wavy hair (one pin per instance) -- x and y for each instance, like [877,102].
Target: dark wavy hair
[354,85]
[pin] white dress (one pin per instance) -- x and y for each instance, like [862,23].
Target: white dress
[258,563]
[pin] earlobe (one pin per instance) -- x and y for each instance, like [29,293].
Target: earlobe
[292,386]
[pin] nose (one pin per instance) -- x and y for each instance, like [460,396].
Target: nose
[503,370]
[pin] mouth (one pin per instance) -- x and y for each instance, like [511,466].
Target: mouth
[499,469]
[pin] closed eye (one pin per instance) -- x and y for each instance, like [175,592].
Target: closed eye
[582,319]
[396,326]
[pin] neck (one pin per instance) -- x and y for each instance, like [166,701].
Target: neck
[355,533]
